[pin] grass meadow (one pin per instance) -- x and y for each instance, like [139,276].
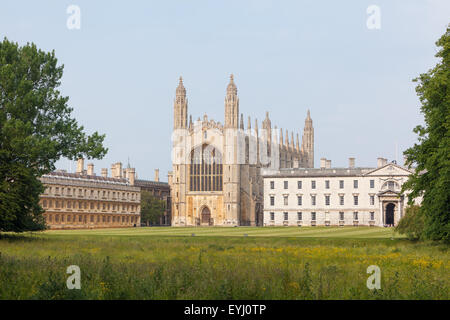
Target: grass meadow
[222,263]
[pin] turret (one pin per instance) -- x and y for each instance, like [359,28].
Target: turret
[231,106]
[180,107]
[267,127]
[308,141]
[281,137]
[292,141]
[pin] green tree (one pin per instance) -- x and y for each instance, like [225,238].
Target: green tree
[152,208]
[431,154]
[36,130]
[412,223]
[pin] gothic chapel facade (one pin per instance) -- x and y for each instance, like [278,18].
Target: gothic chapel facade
[216,178]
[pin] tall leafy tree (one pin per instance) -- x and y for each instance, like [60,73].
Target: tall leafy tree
[152,208]
[431,154]
[36,130]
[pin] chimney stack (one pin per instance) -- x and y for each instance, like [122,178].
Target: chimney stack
[157,175]
[116,170]
[351,163]
[90,169]
[323,163]
[381,162]
[119,169]
[328,164]
[104,172]
[131,173]
[80,165]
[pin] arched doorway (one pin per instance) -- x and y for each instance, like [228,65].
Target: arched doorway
[390,208]
[206,216]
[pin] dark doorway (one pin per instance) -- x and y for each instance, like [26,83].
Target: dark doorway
[206,215]
[390,214]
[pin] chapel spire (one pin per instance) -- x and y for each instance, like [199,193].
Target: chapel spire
[308,141]
[292,140]
[180,107]
[231,105]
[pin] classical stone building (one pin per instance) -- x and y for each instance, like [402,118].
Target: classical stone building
[85,200]
[216,176]
[335,196]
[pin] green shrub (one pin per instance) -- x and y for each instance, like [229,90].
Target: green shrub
[412,223]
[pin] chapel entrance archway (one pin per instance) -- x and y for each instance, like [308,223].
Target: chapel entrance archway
[205,216]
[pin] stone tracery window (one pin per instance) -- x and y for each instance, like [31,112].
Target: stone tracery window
[205,170]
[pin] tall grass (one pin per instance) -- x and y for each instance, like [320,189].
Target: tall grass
[34,267]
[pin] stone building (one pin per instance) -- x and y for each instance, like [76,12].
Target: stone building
[160,190]
[216,176]
[335,196]
[85,200]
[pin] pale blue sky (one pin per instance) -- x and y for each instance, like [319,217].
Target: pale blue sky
[122,68]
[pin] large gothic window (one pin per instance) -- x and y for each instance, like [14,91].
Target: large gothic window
[205,170]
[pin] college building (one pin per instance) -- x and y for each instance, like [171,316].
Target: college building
[85,200]
[328,196]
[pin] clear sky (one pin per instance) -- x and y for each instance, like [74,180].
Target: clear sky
[121,68]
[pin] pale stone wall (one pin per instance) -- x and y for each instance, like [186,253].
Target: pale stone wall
[329,214]
[195,204]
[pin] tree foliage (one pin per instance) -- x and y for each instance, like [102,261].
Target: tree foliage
[152,208]
[36,130]
[412,223]
[431,154]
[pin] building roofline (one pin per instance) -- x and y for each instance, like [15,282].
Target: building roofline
[316,172]
[391,164]
[141,182]
[85,177]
